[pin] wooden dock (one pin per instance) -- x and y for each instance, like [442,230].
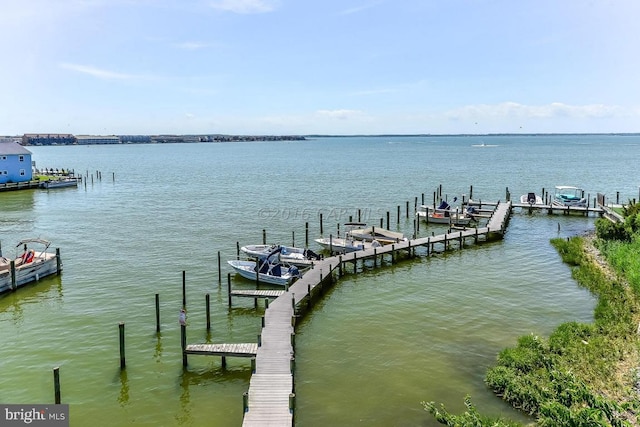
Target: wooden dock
[236,350]
[270,400]
[550,209]
[11,186]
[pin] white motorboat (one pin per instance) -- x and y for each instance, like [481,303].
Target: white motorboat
[342,245]
[339,245]
[30,265]
[566,195]
[300,257]
[382,235]
[531,199]
[272,273]
[445,214]
[267,269]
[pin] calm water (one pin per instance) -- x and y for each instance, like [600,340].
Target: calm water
[376,346]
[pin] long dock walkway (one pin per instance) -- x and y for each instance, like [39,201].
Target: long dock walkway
[270,400]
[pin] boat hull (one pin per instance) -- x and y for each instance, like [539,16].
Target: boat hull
[441,218]
[246,269]
[382,235]
[531,199]
[61,183]
[43,265]
[289,254]
[569,196]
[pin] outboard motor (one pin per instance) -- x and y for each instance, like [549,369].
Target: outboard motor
[311,255]
[293,271]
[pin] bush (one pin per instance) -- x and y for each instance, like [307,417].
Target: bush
[608,230]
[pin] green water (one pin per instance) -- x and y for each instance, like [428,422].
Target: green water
[378,344]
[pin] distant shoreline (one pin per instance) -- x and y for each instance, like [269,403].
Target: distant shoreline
[69,139]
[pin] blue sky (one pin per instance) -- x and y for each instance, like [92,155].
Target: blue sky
[319,66]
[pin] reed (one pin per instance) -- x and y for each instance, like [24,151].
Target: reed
[470,418]
[583,374]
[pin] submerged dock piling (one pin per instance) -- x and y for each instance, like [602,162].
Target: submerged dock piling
[56,384]
[123,363]
[157,312]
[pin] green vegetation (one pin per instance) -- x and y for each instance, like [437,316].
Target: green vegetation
[583,374]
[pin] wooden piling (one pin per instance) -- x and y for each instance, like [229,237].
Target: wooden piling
[229,288]
[321,223]
[183,343]
[123,363]
[219,269]
[237,250]
[306,234]
[184,289]
[157,312]
[264,236]
[12,267]
[58,261]
[56,385]
[207,300]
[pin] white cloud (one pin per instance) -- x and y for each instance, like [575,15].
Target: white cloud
[97,72]
[190,45]
[553,110]
[341,114]
[245,6]
[358,9]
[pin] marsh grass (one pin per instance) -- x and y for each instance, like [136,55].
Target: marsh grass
[583,374]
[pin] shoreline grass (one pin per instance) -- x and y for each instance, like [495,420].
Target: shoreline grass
[582,374]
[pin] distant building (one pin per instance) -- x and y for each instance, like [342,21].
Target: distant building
[15,163]
[97,139]
[135,139]
[48,139]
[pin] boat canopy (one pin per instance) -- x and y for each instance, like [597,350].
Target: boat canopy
[46,243]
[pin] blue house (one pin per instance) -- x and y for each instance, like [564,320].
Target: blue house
[15,163]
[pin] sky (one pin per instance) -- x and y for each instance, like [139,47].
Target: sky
[308,67]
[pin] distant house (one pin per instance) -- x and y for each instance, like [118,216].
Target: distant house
[97,139]
[15,163]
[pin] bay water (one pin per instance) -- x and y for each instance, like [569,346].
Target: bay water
[378,343]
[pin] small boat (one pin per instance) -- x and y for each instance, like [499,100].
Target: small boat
[29,266]
[339,245]
[445,214]
[566,195]
[382,235]
[267,269]
[300,257]
[531,199]
[59,183]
